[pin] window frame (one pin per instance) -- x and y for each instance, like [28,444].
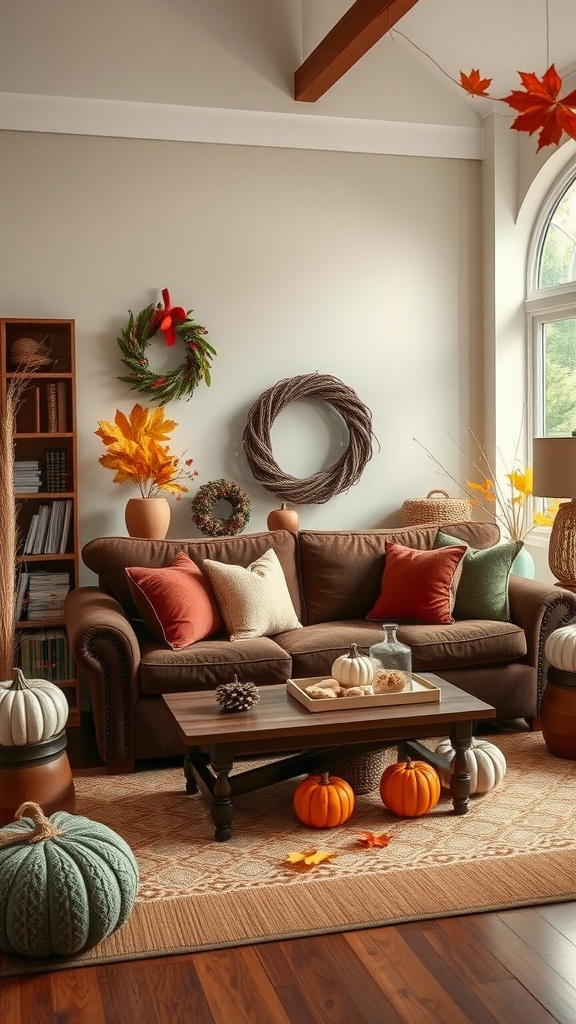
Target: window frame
[544,305]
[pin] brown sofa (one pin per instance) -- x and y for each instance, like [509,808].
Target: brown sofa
[334,580]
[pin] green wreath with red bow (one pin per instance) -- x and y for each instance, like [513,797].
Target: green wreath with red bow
[177,324]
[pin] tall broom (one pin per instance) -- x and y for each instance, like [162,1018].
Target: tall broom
[8,529]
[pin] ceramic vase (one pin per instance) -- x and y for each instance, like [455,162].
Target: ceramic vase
[147,517]
[523,564]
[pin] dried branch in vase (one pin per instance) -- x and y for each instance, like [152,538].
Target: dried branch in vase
[508,505]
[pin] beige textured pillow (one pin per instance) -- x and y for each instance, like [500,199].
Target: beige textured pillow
[253,601]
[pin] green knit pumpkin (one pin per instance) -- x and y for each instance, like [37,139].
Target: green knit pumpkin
[66,882]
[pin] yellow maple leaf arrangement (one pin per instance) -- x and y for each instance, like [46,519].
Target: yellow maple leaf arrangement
[136,453]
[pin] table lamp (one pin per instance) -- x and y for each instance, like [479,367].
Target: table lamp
[554,476]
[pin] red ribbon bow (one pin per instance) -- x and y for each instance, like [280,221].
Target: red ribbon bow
[167,318]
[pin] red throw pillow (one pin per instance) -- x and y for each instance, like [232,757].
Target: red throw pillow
[417,585]
[176,602]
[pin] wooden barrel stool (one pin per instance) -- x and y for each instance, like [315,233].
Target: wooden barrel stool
[558,713]
[39,772]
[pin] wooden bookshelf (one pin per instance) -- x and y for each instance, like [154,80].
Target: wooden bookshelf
[45,494]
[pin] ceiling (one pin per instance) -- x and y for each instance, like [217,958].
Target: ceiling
[500,37]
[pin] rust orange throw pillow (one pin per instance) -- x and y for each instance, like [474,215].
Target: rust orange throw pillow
[417,585]
[176,602]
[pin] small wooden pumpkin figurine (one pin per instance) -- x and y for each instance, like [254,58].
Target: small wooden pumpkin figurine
[486,764]
[283,518]
[66,882]
[353,669]
[31,710]
[410,788]
[323,801]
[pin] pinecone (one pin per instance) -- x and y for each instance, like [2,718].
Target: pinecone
[237,696]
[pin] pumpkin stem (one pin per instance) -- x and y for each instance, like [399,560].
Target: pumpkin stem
[353,652]
[44,829]
[19,681]
[325,779]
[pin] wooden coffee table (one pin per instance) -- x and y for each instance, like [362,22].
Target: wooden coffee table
[279,725]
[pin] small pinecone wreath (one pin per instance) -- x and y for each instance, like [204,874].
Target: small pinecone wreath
[237,696]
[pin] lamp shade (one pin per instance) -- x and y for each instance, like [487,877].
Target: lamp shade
[554,467]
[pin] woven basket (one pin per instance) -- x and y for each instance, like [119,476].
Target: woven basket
[363,772]
[437,507]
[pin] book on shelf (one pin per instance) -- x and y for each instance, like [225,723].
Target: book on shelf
[41,530]
[28,546]
[52,405]
[61,407]
[56,469]
[21,593]
[46,654]
[49,529]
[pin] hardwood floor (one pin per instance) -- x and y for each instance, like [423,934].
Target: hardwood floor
[509,967]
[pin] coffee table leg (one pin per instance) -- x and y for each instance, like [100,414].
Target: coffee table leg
[191,784]
[222,809]
[461,738]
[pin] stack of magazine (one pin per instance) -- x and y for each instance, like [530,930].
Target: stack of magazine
[27,476]
[40,595]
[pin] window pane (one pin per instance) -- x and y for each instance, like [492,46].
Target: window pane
[558,260]
[559,340]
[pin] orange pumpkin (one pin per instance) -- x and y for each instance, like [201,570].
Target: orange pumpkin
[323,801]
[410,788]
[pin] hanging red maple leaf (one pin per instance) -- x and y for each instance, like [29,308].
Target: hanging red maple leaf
[473,84]
[540,109]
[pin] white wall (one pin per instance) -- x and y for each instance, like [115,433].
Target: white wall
[363,267]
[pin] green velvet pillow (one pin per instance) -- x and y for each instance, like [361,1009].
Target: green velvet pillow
[483,586]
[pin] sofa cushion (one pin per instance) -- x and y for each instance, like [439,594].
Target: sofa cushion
[206,664]
[176,602]
[483,587]
[254,600]
[109,557]
[419,586]
[459,645]
[341,570]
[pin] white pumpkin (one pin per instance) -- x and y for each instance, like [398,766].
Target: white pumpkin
[560,648]
[31,710]
[353,669]
[486,764]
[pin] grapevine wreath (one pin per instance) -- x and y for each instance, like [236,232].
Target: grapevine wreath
[175,322]
[203,503]
[321,486]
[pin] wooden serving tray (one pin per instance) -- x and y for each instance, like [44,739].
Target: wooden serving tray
[423,691]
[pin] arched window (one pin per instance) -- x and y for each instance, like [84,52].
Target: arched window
[551,309]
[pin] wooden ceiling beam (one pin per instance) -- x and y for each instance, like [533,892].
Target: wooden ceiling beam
[356,33]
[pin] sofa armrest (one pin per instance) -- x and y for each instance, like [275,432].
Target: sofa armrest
[106,647]
[539,608]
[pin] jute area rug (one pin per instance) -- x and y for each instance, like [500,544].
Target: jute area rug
[515,847]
